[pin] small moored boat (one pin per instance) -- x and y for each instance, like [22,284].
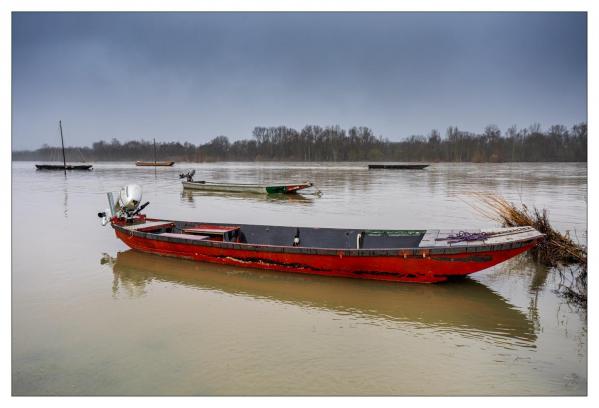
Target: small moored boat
[246,188]
[275,188]
[155,164]
[64,166]
[398,166]
[391,255]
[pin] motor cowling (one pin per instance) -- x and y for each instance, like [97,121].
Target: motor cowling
[129,198]
[189,175]
[127,206]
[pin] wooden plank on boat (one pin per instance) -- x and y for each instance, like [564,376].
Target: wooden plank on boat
[149,225]
[474,243]
[443,234]
[442,239]
[521,236]
[184,236]
[429,238]
[211,230]
[504,236]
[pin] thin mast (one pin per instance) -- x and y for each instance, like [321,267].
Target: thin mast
[64,161]
[154,152]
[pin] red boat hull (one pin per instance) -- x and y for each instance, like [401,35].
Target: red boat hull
[423,267]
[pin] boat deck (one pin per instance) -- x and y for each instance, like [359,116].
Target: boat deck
[335,238]
[149,226]
[440,238]
[284,236]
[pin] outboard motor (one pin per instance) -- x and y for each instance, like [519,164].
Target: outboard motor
[127,205]
[189,175]
[129,198]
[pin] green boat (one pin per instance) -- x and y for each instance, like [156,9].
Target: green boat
[275,188]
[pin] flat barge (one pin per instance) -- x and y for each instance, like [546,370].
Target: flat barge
[154,163]
[398,166]
[63,167]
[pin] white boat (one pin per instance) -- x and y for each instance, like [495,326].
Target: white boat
[275,188]
[285,188]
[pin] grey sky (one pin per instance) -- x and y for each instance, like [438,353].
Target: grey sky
[194,76]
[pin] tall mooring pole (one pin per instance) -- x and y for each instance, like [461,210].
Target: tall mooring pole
[64,161]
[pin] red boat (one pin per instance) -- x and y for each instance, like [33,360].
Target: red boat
[391,255]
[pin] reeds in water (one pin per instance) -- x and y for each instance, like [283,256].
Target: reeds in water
[557,250]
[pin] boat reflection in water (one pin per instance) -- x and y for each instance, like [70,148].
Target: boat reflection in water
[466,307]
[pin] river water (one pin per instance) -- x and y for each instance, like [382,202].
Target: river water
[91,317]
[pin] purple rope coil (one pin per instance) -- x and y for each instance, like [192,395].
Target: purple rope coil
[465,236]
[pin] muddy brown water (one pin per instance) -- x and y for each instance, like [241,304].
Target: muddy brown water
[91,317]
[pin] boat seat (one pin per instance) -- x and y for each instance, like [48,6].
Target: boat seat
[210,229]
[224,233]
[150,226]
[186,236]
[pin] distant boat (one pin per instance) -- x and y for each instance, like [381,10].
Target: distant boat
[275,188]
[155,163]
[398,166]
[64,165]
[283,188]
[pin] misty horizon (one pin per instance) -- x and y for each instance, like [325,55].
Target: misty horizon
[314,143]
[441,132]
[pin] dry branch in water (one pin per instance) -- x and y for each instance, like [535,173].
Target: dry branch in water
[557,250]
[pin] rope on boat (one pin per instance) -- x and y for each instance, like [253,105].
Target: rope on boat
[478,236]
[466,236]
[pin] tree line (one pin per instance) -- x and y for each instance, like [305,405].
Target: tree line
[331,143]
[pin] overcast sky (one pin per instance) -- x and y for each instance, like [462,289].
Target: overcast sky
[194,76]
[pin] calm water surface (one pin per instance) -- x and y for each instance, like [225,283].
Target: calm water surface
[91,317]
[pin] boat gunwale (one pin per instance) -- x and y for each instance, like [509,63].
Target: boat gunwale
[225,184]
[370,252]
